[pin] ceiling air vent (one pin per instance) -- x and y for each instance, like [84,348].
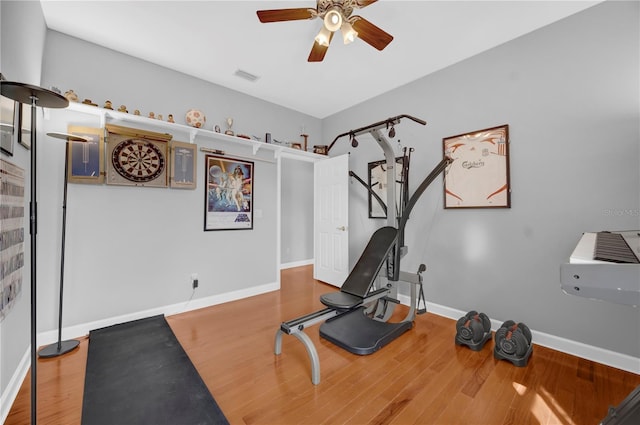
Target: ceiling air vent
[246,75]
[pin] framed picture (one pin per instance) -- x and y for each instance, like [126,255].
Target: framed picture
[378,185]
[24,124]
[137,157]
[478,177]
[86,160]
[12,259]
[228,193]
[7,122]
[183,165]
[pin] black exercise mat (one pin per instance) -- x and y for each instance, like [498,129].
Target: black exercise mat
[138,373]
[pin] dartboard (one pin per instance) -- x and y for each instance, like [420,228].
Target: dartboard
[138,160]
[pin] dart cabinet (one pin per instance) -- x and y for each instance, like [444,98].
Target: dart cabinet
[137,157]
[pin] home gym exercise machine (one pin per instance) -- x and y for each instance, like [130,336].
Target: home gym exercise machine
[356,318]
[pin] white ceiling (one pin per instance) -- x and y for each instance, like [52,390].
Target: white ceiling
[210,40]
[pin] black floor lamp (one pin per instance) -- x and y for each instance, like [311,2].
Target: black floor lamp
[34,96]
[62,347]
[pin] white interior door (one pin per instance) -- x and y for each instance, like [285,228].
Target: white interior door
[331,220]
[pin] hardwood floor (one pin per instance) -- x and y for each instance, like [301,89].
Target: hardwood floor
[422,377]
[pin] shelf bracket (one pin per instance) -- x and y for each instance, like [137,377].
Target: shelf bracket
[192,135]
[255,147]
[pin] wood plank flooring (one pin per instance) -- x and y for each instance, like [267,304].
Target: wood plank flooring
[421,378]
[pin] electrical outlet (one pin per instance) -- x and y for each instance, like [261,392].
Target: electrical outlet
[195,283]
[194,280]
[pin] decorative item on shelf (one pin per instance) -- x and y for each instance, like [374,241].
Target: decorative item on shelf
[71,96]
[296,145]
[305,137]
[170,119]
[136,112]
[88,102]
[123,108]
[216,128]
[243,136]
[267,138]
[108,105]
[55,89]
[228,131]
[321,149]
[152,115]
[160,117]
[195,118]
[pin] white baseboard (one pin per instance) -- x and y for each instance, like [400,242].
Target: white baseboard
[192,304]
[76,331]
[11,392]
[296,264]
[579,349]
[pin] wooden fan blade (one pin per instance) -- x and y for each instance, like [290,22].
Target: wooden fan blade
[318,51]
[364,3]
[370,33]
[279,15]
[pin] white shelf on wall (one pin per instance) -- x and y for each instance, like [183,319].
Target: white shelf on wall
[107,115]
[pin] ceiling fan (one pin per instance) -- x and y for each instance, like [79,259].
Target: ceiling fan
[336,15]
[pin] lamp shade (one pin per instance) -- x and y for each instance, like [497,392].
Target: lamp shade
[348,33]
[333,19]
[323,37]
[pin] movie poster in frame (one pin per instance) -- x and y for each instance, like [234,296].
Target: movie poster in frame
[183,165]
[478,177]
[137,157]
[228,193]
[86,159]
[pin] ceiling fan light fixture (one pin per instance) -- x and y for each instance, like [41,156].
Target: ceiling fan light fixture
[333,19]
[348,33]
[323,36]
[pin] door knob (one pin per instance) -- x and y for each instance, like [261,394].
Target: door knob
[343,228]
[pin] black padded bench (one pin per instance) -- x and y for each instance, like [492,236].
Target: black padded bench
[358,284]
[353,330]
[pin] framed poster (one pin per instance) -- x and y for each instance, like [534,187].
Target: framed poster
[24,124]
[7,121]
[86,160]
[228,193]
[378,185]
[183,165]
[12,234]
[137,157]
[478,177]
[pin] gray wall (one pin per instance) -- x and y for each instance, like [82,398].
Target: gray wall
[131,249]
[22,42]
[570,94]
